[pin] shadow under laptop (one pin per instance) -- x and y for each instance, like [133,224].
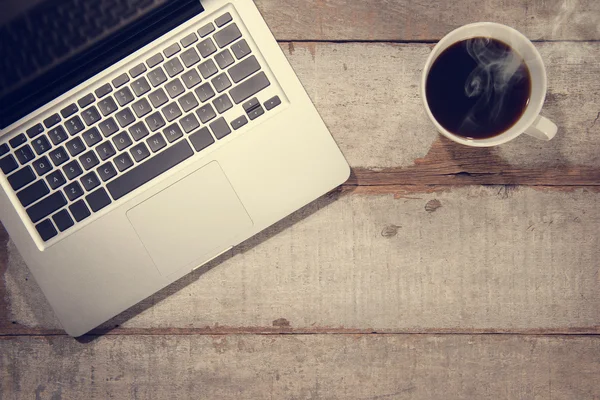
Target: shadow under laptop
[249,244]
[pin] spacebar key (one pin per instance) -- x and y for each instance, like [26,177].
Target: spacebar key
[149,170]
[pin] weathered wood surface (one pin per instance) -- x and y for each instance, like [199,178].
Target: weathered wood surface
[368,95]
[345,367]
[407,20]
[491,259]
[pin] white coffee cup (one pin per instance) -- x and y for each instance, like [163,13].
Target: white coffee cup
[531,122]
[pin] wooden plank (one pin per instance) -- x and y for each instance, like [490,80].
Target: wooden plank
[368,95]
[471,259]
[360,367]
[406,20]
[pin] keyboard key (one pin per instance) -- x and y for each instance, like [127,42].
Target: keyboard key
[172,50]
[137,70]
[251,104]
[98,200]
[208,69]
[103,90]
[138,131]
[56,179]
[174,88]
[52,120]
[63,220]
[125,117]
[227,35]
[221,82]
[272,103]
[108,127]
[58,156]
[72,170]
[173,67]
[244,69]
[220,128]
[191,78]
[58,135]
[33,193]
[155,121]
[24,154]
[122,141]
[91,116]
[17,140]
[249,87]
[158,98]
[35,130]
[140,86]
[222,103]
[42,165]
[73,191]
[257,112]
[141,108]
[239,122]
[190,57]
[124,96]
[140,152]
[106,171]
[120,80]
[206,113]
[89,160]
[223,19]
[79,210]
[201,139]
[206,47]
[107,106]
[206,29]
[86,100]
[46,230]
[47,206]
[188,102]
[189,40]
[4,149]
[224,59]
[69,110]
[123,161]
[74,125]
[240,49]
[142,173]
[92,136]
[155,60]
[156,142]
[90,181]
[21,178]
[172,133]
[205,92]
[189,123]
[105,150]
[8,164]
[171,111]
[157,77]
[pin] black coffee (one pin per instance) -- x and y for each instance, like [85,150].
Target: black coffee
[478,88]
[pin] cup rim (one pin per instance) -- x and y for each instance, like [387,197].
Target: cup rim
[516,129]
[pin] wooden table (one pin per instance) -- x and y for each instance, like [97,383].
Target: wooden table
[437,271]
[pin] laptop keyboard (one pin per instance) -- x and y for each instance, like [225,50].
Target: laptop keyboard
[143,123]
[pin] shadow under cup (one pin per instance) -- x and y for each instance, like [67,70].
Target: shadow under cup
[529,54]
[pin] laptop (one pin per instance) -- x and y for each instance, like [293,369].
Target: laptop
[141,139]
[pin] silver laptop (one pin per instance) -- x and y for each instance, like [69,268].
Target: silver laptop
[142,138]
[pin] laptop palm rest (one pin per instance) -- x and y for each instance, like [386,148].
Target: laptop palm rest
[191,221]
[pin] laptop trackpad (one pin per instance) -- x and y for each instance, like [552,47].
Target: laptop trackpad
[191,221]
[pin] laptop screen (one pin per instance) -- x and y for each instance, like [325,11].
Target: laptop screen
[49,46]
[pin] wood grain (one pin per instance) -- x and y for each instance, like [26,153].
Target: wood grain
[473,259]
[406,20]
[345,367]
[368,95]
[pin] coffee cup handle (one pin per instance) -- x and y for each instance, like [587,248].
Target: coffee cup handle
[542,129]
